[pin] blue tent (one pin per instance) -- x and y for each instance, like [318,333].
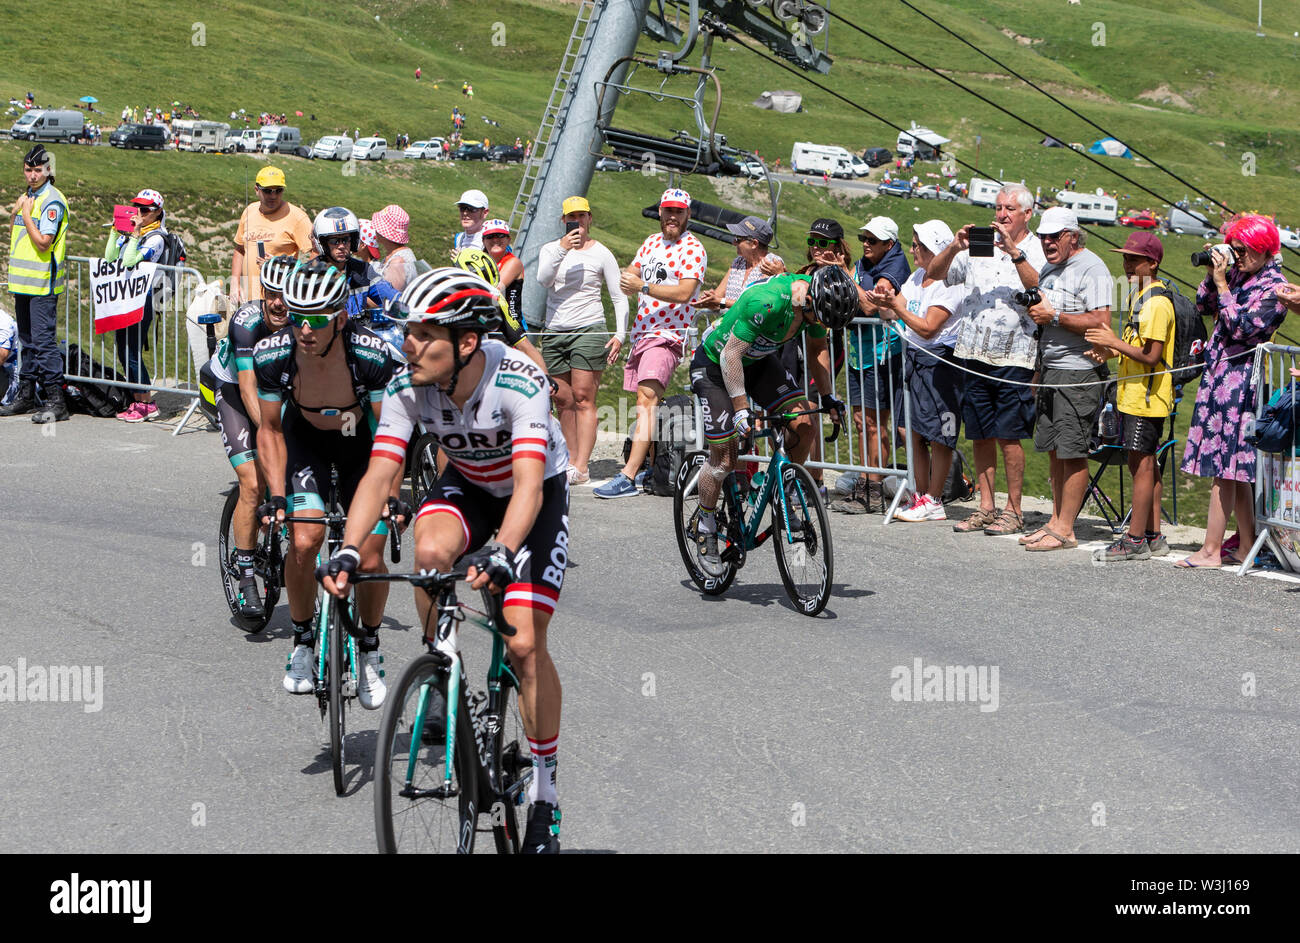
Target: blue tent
[1109,147]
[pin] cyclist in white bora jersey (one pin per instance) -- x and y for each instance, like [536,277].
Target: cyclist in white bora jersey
[489,409]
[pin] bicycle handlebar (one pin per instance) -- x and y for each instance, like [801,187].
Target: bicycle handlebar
[433,582]
[785,417]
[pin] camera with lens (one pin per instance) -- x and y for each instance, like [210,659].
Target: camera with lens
[1028,298]
[1204,257]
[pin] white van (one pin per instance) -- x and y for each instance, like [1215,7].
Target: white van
[42,125]
[205,137]
[249,141]
[807,158]
[1090,207]
[983,192]
[369,149]
[920,143]
[333,147]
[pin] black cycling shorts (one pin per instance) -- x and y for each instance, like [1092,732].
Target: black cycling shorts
[238,434]
[767,381]
[540,563]
[309,453]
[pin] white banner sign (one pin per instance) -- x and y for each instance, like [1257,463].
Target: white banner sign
[118,293]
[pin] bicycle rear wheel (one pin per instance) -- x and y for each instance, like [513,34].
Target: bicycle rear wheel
[268,583]
[336,656]
[686,514]
[419,807]
[423,467]
[804,554]
[512,769]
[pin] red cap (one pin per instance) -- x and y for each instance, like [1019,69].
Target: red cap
[1145,244]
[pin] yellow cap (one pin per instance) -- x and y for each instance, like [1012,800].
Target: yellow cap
[270,177]
[576,204]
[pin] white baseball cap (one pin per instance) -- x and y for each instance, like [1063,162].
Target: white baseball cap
[882,227]
[475,198]
[1057,219]
[934,234]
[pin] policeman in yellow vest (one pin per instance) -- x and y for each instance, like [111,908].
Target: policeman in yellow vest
[37,248]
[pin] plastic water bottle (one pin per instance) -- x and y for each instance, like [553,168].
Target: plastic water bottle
[1108,425]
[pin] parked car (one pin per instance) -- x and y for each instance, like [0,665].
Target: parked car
[875,156]
[899,188]
[612,165]
[1139,220]
[932,191]
[1183,219]
[506,154]
[139,136]
[1290,238]
[333,147]
[424,150]
[249,141]
[369,149]
[470,152]
[752,168]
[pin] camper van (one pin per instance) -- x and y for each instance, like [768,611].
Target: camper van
[808,158]
[920,143]
[42,125]
[205,137]
[1090,207]
[983,192]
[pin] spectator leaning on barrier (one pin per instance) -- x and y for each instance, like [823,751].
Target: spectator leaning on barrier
[753,263]
[577,348]
[875,359]
[1240,292]
[473,208]
[1076,290]
[665,275]
[510,268]
[995,344]
[271,226]
[926,307]
[37,249]
[145,243]
[1145,396]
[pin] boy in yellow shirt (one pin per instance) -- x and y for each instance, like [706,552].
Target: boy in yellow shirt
[1144,401]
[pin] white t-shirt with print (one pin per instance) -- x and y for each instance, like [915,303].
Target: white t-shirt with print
[921,298]
[661,263]
[993,328]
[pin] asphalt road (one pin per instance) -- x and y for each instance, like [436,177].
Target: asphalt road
[690,724]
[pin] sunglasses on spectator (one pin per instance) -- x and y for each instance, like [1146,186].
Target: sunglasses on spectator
[497,235]
[869,240]
[275,190]
[815,243]
[316,322]
[1238,251]
[1052,236]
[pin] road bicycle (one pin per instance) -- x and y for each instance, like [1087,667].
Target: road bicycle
[448,756]
[268,566]
[422,467]
[799,527]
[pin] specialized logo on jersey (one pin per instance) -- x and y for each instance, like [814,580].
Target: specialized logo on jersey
[524,385]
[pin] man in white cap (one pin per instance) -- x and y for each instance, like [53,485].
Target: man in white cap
[995,344]
[473,207]
[1076,289]
[664,276]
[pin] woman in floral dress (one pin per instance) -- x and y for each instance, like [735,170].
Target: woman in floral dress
[1240,293]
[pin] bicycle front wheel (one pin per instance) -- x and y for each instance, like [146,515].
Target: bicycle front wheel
[801,533]
[268,588]
[338,663]
[686,515]
[422,807]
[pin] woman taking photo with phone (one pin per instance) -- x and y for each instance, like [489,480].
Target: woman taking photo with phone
[577,345]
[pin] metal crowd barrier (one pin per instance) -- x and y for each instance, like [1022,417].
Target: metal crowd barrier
[170,357]
[1277,475]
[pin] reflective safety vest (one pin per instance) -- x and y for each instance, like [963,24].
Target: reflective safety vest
[32,272]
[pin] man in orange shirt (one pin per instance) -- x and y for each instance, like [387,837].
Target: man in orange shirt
[271,226]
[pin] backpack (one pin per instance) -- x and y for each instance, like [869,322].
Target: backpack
[93,399]
[165,283]
[958,487]
[676,436]
[1190,336]
[1275,427]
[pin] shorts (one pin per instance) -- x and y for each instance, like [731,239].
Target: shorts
[652,358]
[934,386]
[876,386]
[540,563]
[1065,416]
[991,409]
[310,451]
[238,433]
[582,348]
[1142,434]
[767,382]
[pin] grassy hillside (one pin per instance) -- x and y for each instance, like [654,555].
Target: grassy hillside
[1189,84]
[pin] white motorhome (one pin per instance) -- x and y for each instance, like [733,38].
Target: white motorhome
[205,137]
[44,125]
[808,158]
[1090,207]
[920,143]
[983,192]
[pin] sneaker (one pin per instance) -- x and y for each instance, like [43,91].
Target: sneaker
[297,673]
[918,512]
[144,412]
[620,486]
[640,478]
[1159,546]
[576,477]
[371,689]
[935,511]
[1126,548]
[542,836]
[131,413]
[250,603]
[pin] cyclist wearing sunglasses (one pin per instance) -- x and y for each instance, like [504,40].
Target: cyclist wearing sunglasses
[490,410]
[320,382]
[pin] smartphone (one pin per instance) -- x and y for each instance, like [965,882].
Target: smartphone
[981,242]
[122,217]
[570,226]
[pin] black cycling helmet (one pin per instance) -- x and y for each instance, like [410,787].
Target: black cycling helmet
[834,297]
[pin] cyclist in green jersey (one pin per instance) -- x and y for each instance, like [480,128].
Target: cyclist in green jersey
[738,359]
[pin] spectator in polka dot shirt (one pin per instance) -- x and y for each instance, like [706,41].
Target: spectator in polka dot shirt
[665,276]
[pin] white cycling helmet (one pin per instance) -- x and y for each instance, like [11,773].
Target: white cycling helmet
[275,271]
[336,221]
[315,287]
[452,298]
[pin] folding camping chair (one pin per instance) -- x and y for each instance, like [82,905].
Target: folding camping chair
[1117,516]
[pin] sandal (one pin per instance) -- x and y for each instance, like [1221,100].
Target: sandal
[1062,543]
[976,522]
[1008,522]
[1033,538]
